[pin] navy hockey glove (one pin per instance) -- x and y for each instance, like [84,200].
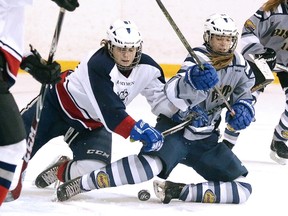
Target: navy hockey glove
[198,115]
[69,5]
[42,71]
[244,115]
[269,56]
[150,137]
[201,79]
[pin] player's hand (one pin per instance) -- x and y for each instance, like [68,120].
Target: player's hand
[244,115]
[42,71]
[149,136]
[269,56]
[69,5]
[201,79]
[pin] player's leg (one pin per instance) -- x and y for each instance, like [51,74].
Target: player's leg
[12,141]
[205,192]
[91,151]
[279,149]
[132,169]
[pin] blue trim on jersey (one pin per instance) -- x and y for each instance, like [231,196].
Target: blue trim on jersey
[127,171]
[235,193]
[111,106]
[217,191]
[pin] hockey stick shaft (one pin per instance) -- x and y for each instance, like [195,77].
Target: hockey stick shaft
[281,67]
[15,193]
[176,128]
[190,50]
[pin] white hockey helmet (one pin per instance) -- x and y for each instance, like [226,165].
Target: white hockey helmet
[124,34]
[222,25]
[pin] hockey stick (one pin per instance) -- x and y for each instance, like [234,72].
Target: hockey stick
[15,193]
[190,50]
[178,127]
[281,68]
[265,70]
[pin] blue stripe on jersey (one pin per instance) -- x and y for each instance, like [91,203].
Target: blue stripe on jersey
[235,193]
[7,167]
[110,175]
[111,106]
[145,59]
[147,167]
[127,171]
[5,183]
[217,191]
[199,193]
[247,186]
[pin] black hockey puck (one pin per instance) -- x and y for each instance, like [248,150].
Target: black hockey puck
[143,195]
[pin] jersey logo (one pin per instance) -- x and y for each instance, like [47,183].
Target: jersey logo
[102,180]
[209,197]
[123,95]
[226,90]
[249,25]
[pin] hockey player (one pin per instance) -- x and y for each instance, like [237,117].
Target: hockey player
[196,146]
[265,36]
[89,104]
[12,131]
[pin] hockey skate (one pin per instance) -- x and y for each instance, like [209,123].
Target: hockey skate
[69,189]
[49,175]
[167,190]
[279,152]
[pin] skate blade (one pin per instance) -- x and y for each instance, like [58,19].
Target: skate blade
[159,189]
[277,159]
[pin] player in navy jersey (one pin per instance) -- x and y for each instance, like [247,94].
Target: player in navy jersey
[265,35]
[197,145]
[89,104]
[12,131]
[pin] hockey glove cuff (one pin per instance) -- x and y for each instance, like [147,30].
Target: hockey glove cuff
[149,136]
[244,115]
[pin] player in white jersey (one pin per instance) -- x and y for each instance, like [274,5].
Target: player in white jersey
[89,104]
[196,146]
[12,131]
[265,35]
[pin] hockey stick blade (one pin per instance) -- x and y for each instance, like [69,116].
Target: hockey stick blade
[266,72]
[15,193]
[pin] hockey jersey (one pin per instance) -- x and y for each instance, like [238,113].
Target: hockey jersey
[235,82]
[97,93]
[267,29]
[11,36]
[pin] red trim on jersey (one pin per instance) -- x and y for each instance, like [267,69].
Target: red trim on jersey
[69,106]
[3,193]
[125,127]
[13,63]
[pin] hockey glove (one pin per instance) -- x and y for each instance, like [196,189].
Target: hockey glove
[269,56]
[201,79]
[42,71]
[198,115]
[150,137]
[69,5]
[244,115]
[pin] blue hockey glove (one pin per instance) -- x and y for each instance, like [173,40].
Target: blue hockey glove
[199,116]
[151,138]
[201,79]
[244,115]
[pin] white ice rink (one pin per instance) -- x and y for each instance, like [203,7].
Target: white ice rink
[269,180]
